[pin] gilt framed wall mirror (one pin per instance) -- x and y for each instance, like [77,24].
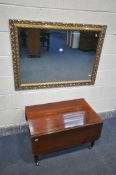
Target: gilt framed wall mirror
[49,54]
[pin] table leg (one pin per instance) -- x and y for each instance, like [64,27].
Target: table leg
[92,144]
[36,159]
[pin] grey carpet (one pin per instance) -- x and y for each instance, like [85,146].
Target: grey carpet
[16,157]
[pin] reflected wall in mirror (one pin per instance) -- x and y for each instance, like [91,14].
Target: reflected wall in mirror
[55,54]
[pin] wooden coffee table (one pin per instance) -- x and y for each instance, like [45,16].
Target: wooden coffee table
[61,125]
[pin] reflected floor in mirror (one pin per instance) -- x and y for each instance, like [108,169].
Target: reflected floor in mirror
[57,60]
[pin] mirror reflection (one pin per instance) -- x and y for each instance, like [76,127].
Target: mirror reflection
[54,55]
[47,54]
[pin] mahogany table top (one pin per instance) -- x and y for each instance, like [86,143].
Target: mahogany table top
[60,116]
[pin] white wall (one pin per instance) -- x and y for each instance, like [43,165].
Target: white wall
[101,96]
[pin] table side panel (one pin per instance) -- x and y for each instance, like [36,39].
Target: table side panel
[66,139]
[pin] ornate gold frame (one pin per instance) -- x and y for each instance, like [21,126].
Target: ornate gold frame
[15,24]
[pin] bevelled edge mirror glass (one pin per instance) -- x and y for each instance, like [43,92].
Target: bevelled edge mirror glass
[47,54]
